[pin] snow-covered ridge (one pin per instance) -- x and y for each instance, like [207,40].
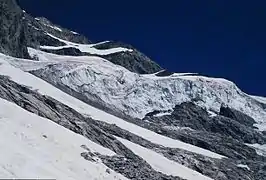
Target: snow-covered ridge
[35,147]
[136,95]
[86,48]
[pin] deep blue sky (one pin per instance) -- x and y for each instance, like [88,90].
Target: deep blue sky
[223,38]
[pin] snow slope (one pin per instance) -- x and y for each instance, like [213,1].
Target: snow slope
[162,164]
[35,147]
[88,48]
[45,88]
[136,95]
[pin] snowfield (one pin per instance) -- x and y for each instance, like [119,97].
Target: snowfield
[45,88]
[136,95]
[35,147]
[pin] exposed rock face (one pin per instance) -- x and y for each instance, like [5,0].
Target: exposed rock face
[19,30]
[13,38]
[134,61]
[194,118]
[236,115]
[58,31]
[67,51]
[132,170]
[39,27]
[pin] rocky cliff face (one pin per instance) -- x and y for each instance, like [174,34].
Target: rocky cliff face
[13,38]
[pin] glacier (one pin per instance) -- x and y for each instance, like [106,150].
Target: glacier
[136,95]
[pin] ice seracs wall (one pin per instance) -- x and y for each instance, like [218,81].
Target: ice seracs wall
[136,95]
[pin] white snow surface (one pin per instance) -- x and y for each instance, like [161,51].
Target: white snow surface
[88,48]
[74,32]
[162,164]
[162,114]
[136,95]
[35,147]
[45,88]
[243,166]
[212,114]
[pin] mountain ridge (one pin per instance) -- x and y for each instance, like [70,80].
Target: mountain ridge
[128,118]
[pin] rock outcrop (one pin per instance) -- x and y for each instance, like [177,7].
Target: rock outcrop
[13,37]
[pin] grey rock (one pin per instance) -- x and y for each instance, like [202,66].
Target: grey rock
[13,38]
[134,168]
[134,61]
[164,73]
[236,115]
[87,156]
[108,171]
[196,118]
[41,24]
[67,51]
